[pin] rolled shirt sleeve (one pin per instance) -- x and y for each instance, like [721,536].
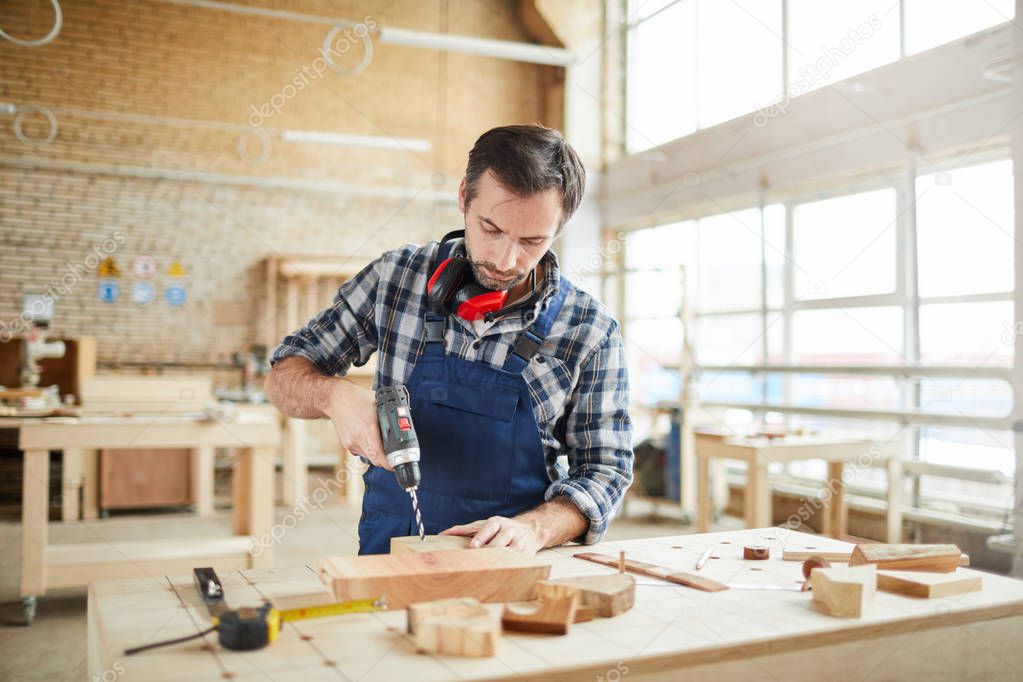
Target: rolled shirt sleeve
[598,438]
[342,335]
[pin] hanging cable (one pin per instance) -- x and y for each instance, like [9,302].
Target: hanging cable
[58,22]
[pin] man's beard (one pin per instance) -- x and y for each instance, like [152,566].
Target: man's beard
[493,284]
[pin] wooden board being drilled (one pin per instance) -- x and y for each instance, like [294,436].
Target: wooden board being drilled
[488,574]
[432,543]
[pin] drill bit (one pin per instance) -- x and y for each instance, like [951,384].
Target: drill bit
[419,517]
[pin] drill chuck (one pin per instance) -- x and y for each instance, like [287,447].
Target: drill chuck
[407,475]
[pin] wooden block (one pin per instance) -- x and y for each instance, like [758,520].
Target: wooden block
[654,571]
[756,552]
[845,592]
[551,616]
[608,595]
[455,627]
[933,558]
[433,543]
[929,585]
[487,574]
[803,555]
[584,614]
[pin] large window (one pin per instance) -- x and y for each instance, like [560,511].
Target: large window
[840,301]
[695,63]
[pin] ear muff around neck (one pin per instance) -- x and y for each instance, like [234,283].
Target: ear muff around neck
[453,290]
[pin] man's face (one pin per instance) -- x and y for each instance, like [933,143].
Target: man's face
[506,235]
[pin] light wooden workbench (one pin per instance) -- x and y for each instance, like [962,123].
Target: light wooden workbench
[673,632]
[759,452]
[45,566]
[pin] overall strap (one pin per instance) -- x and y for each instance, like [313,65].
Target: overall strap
[437,324]
[531,338]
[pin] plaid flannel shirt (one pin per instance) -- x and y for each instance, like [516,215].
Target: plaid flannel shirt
[577,379]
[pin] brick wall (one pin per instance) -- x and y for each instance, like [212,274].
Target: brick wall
[137,186]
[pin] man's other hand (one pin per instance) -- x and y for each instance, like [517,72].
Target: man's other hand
[500,531]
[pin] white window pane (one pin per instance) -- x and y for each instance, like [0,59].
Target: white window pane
[664,246]
[844,391]
[933,22]
[774,254]
[982,449]
[729,261]
[732,387]
[861,336]
[971,334]
[830,40]
[661,98]
[954,395]
[964,230]
[729,340]
[653,351]
[658,341]
[735,82]
[845,246]
[653,293]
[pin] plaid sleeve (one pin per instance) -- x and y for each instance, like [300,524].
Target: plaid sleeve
[598,436]
[343,334]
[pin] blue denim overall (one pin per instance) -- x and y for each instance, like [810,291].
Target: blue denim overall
[481,453]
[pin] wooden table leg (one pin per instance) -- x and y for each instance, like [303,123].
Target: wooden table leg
[35,493]
[296,472]
[241,475]
[90,485]
[834,522]
[254,499]
[202,478]
[703,497]
[894,512]
[758,493]
[70,484]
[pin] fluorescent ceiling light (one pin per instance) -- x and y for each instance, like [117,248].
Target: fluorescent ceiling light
[501,49]
[342,140]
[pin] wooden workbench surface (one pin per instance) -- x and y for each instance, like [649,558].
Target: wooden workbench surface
[729,635]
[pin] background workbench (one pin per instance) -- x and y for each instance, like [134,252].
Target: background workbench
[672,630]
[45,566]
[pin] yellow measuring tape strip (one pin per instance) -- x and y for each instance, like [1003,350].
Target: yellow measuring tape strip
[338,609]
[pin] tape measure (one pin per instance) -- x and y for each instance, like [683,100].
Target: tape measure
[254,627]
[251,628]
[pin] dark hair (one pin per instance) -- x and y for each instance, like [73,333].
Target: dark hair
[528,159]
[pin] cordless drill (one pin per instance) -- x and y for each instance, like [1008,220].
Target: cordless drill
[400,443]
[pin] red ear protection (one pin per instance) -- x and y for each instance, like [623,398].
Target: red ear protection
[453,289]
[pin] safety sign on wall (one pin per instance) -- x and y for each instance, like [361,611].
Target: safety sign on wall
[108,290]
[142,293]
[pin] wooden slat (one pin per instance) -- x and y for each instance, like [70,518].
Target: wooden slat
[642,568]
